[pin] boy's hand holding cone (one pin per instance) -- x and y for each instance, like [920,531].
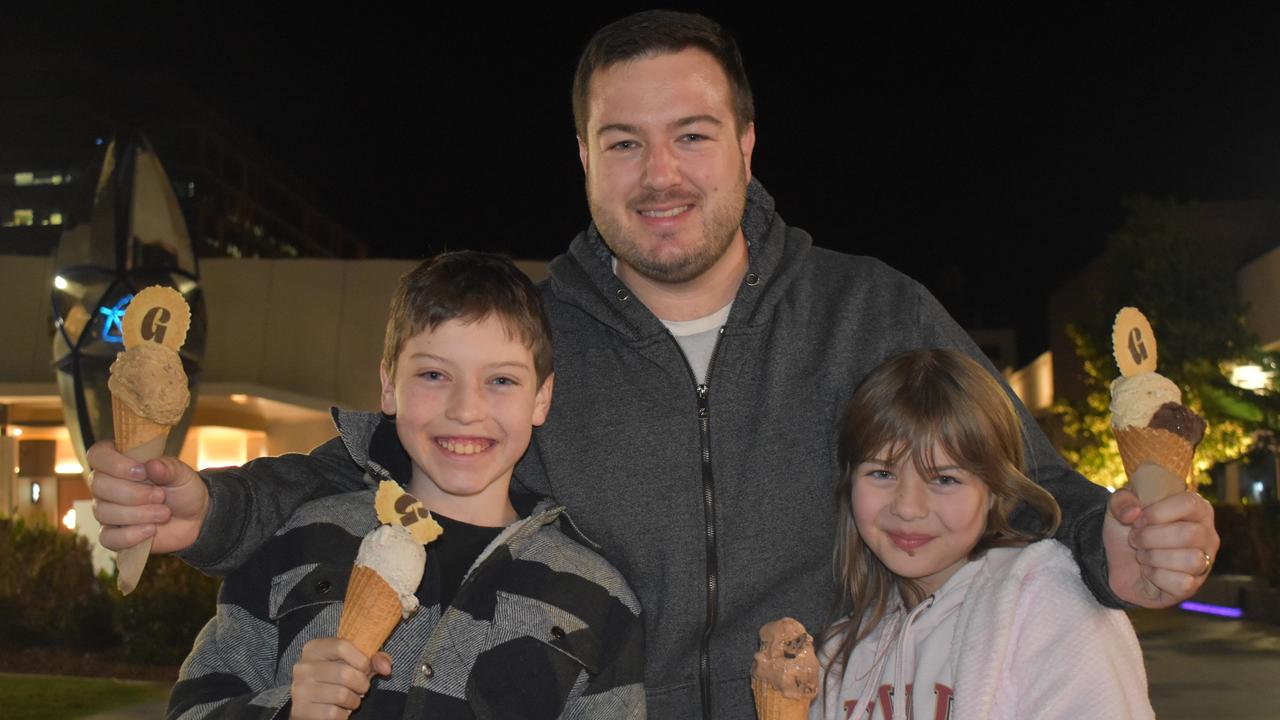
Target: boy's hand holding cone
[149,392]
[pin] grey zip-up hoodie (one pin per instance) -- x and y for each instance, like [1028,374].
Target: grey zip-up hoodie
[719,509]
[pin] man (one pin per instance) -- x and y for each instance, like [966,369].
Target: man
[704,351]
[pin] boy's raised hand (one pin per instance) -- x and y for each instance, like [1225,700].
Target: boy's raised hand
[172,508]
[1171,543]
[331,677]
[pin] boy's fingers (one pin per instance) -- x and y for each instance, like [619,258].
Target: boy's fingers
[119,538]
[104,458]
[113,489]
[109,513]
[380,664]
[170,471]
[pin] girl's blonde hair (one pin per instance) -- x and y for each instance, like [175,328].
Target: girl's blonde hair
[908,406]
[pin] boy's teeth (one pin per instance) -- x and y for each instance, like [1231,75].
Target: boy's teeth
[664,213]
[465,447]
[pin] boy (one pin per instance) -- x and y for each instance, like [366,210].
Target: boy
[539,627]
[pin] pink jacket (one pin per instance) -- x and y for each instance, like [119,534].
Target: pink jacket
[1028,641]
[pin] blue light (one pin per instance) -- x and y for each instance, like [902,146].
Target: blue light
[112,331]
[1207,609]
[97,141]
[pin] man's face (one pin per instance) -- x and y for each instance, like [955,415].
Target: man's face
[466,399]
[666,168]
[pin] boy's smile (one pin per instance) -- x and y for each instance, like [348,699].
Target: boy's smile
[466,400]
[921,527]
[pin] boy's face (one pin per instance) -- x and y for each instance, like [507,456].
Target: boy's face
[466,399]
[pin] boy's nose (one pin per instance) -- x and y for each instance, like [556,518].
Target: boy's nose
[466,405]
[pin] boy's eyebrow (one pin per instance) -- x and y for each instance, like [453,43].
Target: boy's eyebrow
[499,364]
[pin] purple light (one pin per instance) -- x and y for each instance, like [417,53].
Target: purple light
[1212,609]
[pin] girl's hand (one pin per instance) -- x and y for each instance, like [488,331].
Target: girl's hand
[331,678]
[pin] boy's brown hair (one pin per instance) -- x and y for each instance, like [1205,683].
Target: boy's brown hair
[468,286]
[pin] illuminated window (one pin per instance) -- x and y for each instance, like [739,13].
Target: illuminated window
[23,217]
[55,218]
[222,446]
[23,179]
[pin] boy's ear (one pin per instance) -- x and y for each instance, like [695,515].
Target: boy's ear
[542,401]
[387,397]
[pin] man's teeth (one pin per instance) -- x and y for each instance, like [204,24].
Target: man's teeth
[664,213]
[464,447]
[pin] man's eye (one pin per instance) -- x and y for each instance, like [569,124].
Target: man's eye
[693,137]
[623,145]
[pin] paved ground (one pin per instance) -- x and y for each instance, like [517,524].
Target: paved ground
[1205,667]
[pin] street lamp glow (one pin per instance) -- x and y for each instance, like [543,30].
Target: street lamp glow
[69,520]
[1250,377]
[59,282]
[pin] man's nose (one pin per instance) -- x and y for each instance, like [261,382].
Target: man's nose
[662,168]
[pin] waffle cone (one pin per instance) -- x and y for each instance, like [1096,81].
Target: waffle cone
[370,612]
[141,439]
[771,704]
[1139,445]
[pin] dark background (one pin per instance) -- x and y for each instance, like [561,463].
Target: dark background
[985,152]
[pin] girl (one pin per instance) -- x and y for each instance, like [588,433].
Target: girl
[946,610]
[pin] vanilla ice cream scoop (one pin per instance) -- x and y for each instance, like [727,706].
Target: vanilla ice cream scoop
[1134,400]
[393,553]
[149,379]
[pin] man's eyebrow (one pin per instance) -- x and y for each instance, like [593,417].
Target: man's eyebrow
[695,119]
[617,127]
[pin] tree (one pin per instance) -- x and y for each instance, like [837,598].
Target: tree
[1188,292]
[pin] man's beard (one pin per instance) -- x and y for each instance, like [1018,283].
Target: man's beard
[719,228]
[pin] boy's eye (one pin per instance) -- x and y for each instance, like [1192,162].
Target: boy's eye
[504,381]
[431,375]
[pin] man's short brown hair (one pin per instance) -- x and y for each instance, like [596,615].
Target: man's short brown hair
[655,32]
[469,286]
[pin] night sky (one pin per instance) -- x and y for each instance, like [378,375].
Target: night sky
[986,153]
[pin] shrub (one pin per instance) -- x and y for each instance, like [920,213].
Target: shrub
[159,620]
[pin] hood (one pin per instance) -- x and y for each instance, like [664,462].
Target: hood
[899,630]
[584,278]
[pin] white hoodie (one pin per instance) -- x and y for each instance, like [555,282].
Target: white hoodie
[1015,633]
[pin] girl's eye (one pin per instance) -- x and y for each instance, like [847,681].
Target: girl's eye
[880,474]
[947,480]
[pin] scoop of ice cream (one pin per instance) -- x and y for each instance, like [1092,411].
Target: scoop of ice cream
[149,379]
[1135,399]
[1180,421]
[786,659]
[392,552]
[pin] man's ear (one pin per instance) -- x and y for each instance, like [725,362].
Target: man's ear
[582,154]
[542,402]
[747,143]
[387,397]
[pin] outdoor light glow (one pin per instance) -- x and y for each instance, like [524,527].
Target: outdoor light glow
[1207,609]
[68,467]
[35,492]
[17,432]
[59,282]
[111,329]
[239,398]
[1250,377]
[69,520]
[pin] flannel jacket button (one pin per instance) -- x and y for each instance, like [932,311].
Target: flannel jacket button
[753,279]
[323,587]
[427,671]
[623,294]
[557,632]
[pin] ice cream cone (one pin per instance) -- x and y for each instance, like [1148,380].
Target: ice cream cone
[771,704]
[140,439]
[370,612]
[1139,445]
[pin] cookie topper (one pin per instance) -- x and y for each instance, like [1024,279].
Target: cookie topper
[1133,342]
[159,315]
[397,507]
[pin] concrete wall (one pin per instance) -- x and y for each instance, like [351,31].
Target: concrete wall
[25,333]
[1259,286]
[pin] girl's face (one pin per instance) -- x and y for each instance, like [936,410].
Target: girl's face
[921,528]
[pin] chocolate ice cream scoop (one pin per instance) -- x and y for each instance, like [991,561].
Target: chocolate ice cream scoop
[1180,421]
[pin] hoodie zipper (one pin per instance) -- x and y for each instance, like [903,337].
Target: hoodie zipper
[702,393]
